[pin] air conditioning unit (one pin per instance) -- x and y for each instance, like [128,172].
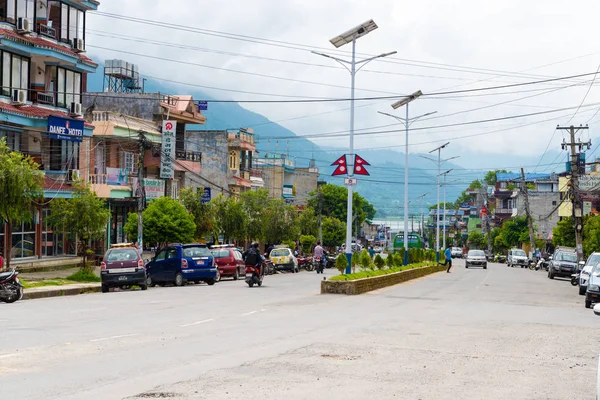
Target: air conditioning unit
[79,45]
[19,96]
[73,175]
[76,109]
[23,25]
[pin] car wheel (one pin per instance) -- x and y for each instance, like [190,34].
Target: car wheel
[179,281]
[104,289]
[466,265]
[582,290]
[150,282]
[211,282]
[485,266]
[236,276]
[550,274]
[144,287]
[588,304]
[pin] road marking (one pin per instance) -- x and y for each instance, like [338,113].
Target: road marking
[8,355]
[88,310]
[113,337]
[197,323]
[249,313]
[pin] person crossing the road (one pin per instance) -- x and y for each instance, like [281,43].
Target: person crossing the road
[448,262]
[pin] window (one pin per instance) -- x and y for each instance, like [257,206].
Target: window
[196,251]
[129,162]
[161,256]
[13,139]
[68,86]
[15,73]
[174,189]
[23,241]
[11,10]
[26,9]
[64,155]
[71,21]
[232,160]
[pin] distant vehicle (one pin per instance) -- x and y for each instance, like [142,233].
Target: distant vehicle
[229,261]
[355,247]
[181,263]
[592,294]
[122,266]
[592,261]
[283,259]
[23,249]
[563,263]
[414,241]
[476,258]
[377,249]
[517,257]
[456,252]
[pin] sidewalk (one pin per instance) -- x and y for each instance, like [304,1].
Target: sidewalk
[64,290]
[46,275]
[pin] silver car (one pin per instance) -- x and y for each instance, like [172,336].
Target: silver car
[584,277]
[476,258]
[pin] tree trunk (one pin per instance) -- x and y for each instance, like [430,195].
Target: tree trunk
[8,255]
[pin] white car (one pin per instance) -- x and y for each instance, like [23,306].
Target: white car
[592,261]
[476,258]
[456,252]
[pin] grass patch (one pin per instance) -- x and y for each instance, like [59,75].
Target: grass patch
[84,276]
[370,273]
[50,282]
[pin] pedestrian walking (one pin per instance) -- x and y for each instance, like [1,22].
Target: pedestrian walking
[448,262]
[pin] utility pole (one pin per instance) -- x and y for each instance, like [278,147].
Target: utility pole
[576,201]
[319,203]
[528,212]
[141,192]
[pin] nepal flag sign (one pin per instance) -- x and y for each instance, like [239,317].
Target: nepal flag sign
[342,166]
[359,166]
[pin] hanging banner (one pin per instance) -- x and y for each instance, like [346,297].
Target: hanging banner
[206,195]
[167,155]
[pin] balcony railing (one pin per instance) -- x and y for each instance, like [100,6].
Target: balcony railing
[45,98]
[195,156]
[102,179]
[47,31]
[504,210]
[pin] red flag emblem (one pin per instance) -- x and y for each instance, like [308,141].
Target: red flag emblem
[342,168]
[359,166]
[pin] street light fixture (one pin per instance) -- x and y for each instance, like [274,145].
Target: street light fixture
[437,208]
[444,185]
[407,122]
[347,37]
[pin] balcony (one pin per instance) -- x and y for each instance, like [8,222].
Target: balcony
[194,156]
[46,98]
[241,140]
[45,30]
[505,211]
[106,179]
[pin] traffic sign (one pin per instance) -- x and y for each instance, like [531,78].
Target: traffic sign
[350,181]
[202,105]
[359,166]
[342,168]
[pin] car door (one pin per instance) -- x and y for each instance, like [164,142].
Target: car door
[172,264]
[239,259]
[157,266]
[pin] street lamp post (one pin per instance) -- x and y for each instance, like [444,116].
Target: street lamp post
[347,37]
[422,231]
[407,122]
[437,207]
[444,218]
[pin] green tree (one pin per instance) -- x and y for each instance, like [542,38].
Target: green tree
[564,233]
[20,185]
[390,260]
[307,242]
[379,261]
[280,222]
[255,205]
[334,232]
[308,222]
[364,259]
[477,239]
[341,262]
[84,215]
[204,215]
[476,184]
[232,221]
[490,177]
[514,232]
[449,206]
[164,221]
[463,198]
[591,235]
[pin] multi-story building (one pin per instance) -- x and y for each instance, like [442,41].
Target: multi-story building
[284,180]
[43,73]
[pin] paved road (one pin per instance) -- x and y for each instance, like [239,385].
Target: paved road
[499,333]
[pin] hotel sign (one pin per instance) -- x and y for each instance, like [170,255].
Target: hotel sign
[65,128]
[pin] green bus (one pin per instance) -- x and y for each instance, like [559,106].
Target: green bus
[414,241]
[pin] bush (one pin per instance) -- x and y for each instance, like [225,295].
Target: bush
[307,242]
[355,260]
[389,260]
[84,275]
[364,259]
[379,262]
[399,259]
[341,262]
[290,243]
[367,274]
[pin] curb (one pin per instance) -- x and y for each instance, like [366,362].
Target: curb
[58,292]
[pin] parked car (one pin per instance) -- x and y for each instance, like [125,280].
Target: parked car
[563,263]
[456,252]
[283,259]
[122,266]
[181,263]
[591,262]
[517,257]
[476,258]
[592,294]
[229,261]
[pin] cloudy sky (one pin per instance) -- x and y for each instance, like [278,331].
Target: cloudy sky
[442,46]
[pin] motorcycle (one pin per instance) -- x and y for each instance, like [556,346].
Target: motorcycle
[11,289]
[575,279]
[306,263]
[542,264]
[253,276]
[500,258]
[330,260]
[318,261]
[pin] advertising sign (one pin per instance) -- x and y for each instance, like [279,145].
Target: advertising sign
[154,188]
[202,105]
[116,176]
[65,128]
[587,207]
[206,196]
[167,155]
[588,183]
[288,190]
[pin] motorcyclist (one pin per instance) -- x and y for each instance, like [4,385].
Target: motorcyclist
[252,257]
[319,252]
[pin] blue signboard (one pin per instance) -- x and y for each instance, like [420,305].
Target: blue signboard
[202,105]
[65,128]
[206,196]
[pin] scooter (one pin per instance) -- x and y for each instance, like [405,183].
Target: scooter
[253,276]
[330,260]
[11,289]
[575,279]
[318,261]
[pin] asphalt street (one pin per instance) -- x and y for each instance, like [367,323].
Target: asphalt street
[500,333]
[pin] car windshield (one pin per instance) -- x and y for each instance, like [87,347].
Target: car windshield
[593,260]
[221,253]
[196,251]
[456,249]
[476,253]
[280,252]
[122,255]
[519,253]
[596,270]
[569,257]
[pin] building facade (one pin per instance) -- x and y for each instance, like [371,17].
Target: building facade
[284,180]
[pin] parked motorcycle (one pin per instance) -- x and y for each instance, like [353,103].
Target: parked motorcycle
[253,276]
[11,289]
[542,264]
[268,267]
[330,260]
[575,279]
[319,264]
[306,263]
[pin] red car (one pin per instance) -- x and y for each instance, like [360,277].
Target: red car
[229,261]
